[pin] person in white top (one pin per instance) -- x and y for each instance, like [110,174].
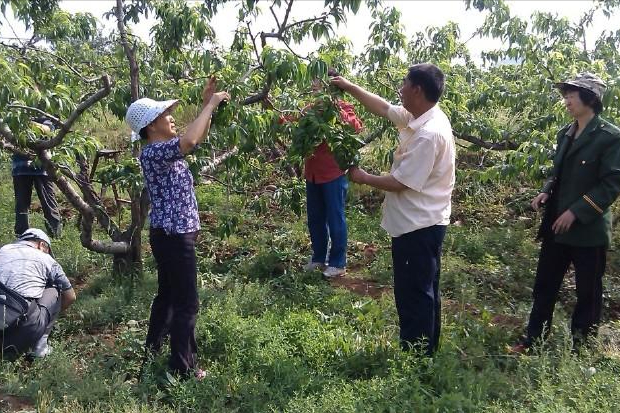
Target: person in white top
[417,204]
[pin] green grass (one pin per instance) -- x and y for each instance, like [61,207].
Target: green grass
[275,339]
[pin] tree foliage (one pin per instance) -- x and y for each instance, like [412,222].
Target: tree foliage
[503,100]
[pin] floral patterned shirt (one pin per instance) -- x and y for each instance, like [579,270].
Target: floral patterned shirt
[171,188]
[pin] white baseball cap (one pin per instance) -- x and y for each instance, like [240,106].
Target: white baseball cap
[144,111]
[32,234]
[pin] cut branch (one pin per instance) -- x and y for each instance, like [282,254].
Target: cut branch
[496,146]
[218,160]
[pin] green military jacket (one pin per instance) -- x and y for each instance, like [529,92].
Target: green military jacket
[589,181]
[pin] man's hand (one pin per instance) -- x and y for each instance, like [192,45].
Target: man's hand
[67,298]
[539,201]
[564,222]
[357,175]
[341,82]
[208,90]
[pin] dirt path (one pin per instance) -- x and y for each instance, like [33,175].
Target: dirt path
[11,404]
[361,286]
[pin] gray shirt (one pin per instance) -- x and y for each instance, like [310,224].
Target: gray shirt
[28,271]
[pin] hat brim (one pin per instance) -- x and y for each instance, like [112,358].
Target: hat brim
[562,85]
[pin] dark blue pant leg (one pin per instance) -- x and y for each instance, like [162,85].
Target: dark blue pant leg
[22,187]
[317,221]
[334,195]
[417,258]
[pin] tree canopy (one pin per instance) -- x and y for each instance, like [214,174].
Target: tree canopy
[506,103]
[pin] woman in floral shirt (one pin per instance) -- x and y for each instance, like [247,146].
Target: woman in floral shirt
[174,220]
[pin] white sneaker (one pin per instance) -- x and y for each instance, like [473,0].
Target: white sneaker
[334,272]
[42,349]
[312,266]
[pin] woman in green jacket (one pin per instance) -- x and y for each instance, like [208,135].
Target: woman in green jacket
[576,226]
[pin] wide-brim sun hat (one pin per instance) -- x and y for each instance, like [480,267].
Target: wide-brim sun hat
[588,81]
[143,111]
[35,234]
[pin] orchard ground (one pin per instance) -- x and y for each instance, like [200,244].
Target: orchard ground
[273,338]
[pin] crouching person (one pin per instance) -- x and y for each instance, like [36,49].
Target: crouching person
[28,269]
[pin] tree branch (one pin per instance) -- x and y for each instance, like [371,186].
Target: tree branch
[253,37]
[66,127]
[496,146]
[6,132]
[51,117]
[374,135]
[218,160]
[322,17]
[263,94]
[87,212]
[130,52]
[12,148]
[61,59]
[288,11]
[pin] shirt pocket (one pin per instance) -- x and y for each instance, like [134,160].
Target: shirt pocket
[587,167]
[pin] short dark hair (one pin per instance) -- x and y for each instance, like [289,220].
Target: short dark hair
[143,133]
[430,78]
[586,96]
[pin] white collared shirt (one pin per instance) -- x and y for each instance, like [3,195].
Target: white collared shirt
[424,162]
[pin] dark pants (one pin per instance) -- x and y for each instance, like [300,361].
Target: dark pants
[42,314]
[175,306]
[22,186]
[554,260]
[325,208]
[416,257]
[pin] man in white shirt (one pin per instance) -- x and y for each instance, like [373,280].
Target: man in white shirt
[417,204]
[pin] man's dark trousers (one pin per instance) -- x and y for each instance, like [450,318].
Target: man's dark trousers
[553,262]
[22,185]
[175,307]
[416,257]
[42,315]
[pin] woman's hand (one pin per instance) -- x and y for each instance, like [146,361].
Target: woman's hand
[218,97]
[209,90]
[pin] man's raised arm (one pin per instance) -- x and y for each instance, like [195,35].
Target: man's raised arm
[375,104]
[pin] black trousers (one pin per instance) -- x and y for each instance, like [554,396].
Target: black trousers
[22,186]
[554,260]
[175,306]
[416,257]
[42,315]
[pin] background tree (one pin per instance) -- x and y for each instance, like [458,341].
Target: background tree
[503,104]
